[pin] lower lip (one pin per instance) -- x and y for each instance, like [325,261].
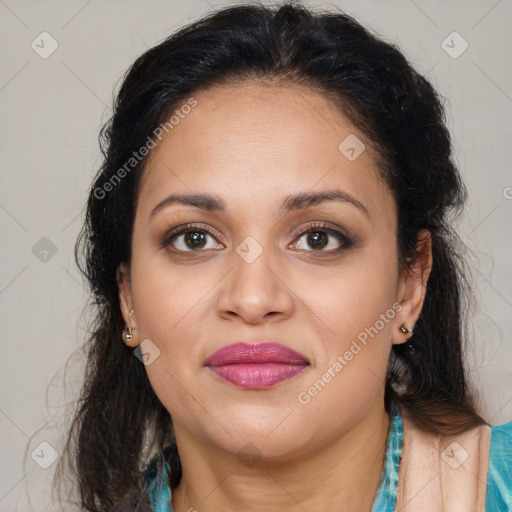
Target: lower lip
[257,376]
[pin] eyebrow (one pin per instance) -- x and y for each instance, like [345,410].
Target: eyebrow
[299,201]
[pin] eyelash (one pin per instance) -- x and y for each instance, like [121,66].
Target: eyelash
[345,240]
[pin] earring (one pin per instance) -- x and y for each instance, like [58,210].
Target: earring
[127,334]
[409,346]
[404,329]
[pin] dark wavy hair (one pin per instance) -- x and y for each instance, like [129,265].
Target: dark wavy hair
[119,420]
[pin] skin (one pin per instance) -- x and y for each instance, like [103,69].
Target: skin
[253,145]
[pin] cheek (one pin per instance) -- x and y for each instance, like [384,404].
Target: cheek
[171,305]
[349,303]
[357,309]
[170,312]
[165,296]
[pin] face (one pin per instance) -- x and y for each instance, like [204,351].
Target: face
[261,262]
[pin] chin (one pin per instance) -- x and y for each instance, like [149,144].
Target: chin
[272,437]
[254,449]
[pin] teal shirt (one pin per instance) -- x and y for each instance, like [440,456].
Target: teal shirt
[499,479]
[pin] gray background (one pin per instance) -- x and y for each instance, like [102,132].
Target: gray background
[52,110]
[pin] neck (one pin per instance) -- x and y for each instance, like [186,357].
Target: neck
[344,473]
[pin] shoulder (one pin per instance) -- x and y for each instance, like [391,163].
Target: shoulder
[499,479]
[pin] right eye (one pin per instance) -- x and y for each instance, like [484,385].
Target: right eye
[188,238]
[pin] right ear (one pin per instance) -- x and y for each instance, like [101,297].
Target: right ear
[124,284]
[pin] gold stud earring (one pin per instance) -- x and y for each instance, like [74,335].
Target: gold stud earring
[128,334]
[404,329]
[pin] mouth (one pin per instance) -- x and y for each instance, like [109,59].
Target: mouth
[256,365]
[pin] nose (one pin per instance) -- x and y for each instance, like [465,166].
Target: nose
[255,292]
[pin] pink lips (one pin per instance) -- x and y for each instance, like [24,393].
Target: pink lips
[256,365]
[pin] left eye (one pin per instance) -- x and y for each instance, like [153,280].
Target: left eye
[321,240]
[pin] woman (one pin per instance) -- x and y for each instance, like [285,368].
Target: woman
[279,292]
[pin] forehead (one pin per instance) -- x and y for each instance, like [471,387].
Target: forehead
[253,141]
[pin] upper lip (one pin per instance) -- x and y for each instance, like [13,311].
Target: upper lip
[255,353]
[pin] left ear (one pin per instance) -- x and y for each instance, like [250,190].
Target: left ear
[413,287]
[126,301]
